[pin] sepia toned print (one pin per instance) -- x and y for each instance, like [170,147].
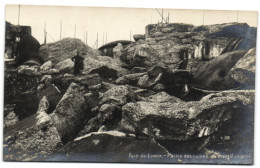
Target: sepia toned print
[92,84]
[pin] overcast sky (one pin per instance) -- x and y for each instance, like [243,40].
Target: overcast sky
[116,22]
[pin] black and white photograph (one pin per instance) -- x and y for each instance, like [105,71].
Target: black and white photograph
[129,85]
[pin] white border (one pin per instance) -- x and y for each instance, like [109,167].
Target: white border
[176,4]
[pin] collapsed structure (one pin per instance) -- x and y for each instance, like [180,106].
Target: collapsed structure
[20,46]
[173,91]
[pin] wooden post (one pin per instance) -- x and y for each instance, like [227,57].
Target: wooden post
[151,17]
[130,35]
[203,17]
[60,29]
[45,33]
[237,16]
[97,40]
[94,44]
[86,38]
[162,16]
[75,31]
[18,15]
[103,39]
[106,37]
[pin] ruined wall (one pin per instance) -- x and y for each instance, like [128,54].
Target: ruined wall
[19,43]
[204,42]
[207,51]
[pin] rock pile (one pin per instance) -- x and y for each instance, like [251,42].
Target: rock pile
[159,99]
[65,48]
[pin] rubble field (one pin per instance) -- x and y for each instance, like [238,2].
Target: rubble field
[177,91]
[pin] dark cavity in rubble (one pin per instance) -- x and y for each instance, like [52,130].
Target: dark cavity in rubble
[26,105]
[105,73]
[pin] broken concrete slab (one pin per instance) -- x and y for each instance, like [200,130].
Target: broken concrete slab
[178,120]
[214,75]
[130,79]
[52,93]
[110,146]
[109,115]
[46,66]
[69,112]
[244,70]
[118,95]
[83,79]
[28,71]
[65,65]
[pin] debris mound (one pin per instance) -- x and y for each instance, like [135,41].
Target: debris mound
[65,48]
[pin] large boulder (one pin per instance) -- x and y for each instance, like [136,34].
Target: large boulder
[33,138]
[69,112]
[237,134]
[106,67]
[46,66]
[244,70]
[108,117]
[169,55]
[214,75]
[118,51]
[118,95]
[112,146]
[28,71]
[130,79]
[164,118]
[65,65]
[52,93]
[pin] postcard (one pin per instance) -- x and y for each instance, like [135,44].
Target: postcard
[129,85]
